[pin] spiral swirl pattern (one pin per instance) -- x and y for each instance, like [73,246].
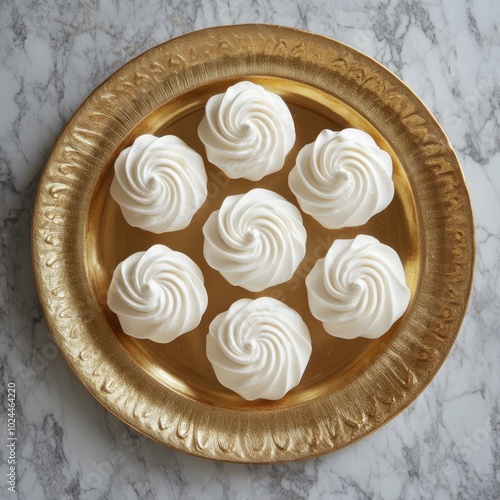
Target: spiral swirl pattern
[247,131]
[358,289]
[159,183]
[158,294]
[259,348]
[256,240]
[342,178]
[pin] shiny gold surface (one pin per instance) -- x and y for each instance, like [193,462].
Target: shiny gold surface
[169,392]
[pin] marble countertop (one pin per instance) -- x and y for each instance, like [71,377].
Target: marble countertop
[445,445]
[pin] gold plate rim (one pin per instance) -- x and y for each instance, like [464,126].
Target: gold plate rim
[330,421]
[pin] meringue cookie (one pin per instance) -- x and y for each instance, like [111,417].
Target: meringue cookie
[259,348]
[256,240]
[159,183]
[158,294]
[247,131]
[358,289]
[342,178]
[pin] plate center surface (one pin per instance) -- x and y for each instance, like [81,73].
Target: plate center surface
[182,365]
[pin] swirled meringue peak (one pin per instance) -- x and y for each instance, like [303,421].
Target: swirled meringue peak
[342,178]
[256,240]
[158,294]
[159,183]
[247,131]
[259,348]
[358,289]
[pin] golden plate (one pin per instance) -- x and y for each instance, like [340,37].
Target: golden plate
[169,392]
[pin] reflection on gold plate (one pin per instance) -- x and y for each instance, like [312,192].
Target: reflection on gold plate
[169,392]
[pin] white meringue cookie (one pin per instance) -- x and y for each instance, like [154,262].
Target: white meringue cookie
[159,183]
[342,178]
[256,240]
[158,294]
[358,289]
[259,348]
[247,131]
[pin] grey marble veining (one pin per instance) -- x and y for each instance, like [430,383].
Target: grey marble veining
[445,445]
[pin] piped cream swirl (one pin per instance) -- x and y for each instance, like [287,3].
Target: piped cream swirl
[247,131]
[358,289]
[259,348]
[159,183]
[256,240]
[342,178]
[158,294]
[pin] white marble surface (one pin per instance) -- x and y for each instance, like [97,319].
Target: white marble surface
[445,445]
